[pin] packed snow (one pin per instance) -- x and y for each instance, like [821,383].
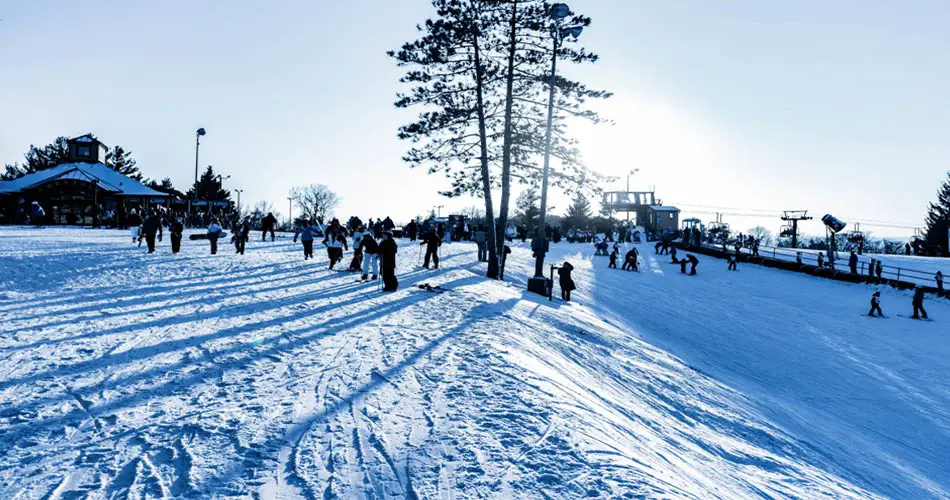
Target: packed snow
[129,375]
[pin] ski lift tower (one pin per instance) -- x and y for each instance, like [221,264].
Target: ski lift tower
[793,216]
[833,226]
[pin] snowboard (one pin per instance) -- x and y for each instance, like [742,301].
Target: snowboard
[429,288]
[915,319]
[204,236]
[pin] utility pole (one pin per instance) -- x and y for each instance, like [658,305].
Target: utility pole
[794,216]
[200,132]
[290,210]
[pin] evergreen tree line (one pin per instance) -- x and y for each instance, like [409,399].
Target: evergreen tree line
[480,75]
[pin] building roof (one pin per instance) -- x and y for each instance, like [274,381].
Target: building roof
[108,180]
[664,208]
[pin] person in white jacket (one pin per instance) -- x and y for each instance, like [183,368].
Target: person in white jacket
[214,232]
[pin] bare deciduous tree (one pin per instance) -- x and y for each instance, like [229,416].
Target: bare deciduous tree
[315,202]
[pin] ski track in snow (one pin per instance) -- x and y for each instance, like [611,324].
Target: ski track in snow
[127,375]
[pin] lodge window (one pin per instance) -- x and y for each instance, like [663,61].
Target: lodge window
[83,151]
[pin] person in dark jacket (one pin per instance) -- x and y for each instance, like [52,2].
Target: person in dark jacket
[673,255]
[853,262]
[388,224]
[693,262]
[878,270]
[152,225]
[175,230]
[566,282]
[268,223]
[240,237]
[432,243]
[335,240]
[481,242]
[732,263]
[918,303]
[412,230]
[876,305]
[370,249]
[939,279]
[387,253]
[613,260]
[630,261]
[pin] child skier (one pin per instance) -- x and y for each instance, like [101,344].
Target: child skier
[613,259]
[567,283]
[876,305]
[630,260]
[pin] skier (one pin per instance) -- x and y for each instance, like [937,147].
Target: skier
[240,237]
[152,225]
[387,250]
[214,232]
[175,230]
[567,283]
[853,262]
[268,223]
[481,241]
[918,303]
[432,242]
[939,279]
[305,232]
[369,249]
[357,263]
[613,260]
[135,223]
[693,262]
[876,305]
[732,263]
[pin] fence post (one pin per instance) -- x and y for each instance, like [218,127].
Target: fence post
[898,274]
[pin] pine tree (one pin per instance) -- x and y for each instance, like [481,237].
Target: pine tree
[209,188]
[165,186]
[527,208]
[121,161]
[37,159]
[451,77]
[578,214]
[938,219]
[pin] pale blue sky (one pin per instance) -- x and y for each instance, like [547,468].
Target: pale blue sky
[835,106]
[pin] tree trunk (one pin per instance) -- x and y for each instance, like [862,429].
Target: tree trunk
[486,176]
[506,148]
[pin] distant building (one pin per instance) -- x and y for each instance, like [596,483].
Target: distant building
[650,213]
[70,192]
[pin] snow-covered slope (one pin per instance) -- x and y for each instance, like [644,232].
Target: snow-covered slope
[126,374]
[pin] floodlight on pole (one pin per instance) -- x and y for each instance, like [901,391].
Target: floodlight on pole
[198,133]
[539,284]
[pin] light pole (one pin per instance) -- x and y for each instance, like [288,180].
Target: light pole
[239,191]
[631,172]
[538,284]
[200,132]
[439,208]
[220,186]
[290,210]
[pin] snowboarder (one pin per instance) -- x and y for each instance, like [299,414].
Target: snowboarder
[432,243]
[613,259]
[214,231]
[918,303]
[135,223]
[305,232]
[369,249]
[876,305]
[268,223]
[693,262]
[240,238]
[939,279]
[151,226]
[387,252]
[175,230]
[732,263]
[853,262]
[565,280]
